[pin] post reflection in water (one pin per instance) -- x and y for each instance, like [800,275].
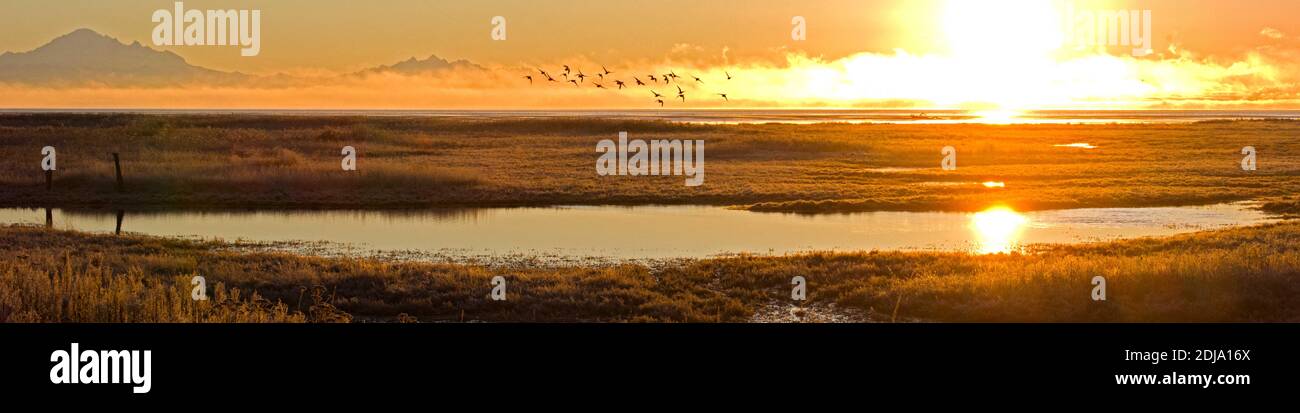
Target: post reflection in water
[997,230]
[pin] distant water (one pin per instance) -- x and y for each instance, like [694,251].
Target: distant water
[654,232]
[732,116]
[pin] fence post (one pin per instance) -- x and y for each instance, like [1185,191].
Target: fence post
[117,166]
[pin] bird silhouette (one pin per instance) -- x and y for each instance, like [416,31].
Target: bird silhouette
[667,78]
[599,86]
[680,91]
[581,77]
[607,72]
[728,75]
[566,69]
[697,80]
[530,78]
[656,94]
[653,79]
[601,76]
[549,78]
[681,94]
[620,84]
[724,96]
[661,102]
[574,82]
[638,81]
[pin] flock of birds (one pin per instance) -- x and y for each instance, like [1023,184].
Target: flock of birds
[577,78]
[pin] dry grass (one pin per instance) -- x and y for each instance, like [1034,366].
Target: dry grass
[292,162]
[1246,274]
[83,292]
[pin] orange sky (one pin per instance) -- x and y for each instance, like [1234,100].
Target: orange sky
[858,53]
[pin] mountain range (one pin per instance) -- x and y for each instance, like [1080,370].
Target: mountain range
[85,57]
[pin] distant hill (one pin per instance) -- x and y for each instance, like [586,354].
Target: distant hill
[423,66]
[85,56]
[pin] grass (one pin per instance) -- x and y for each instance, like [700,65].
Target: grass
[1235,275]
[210,161]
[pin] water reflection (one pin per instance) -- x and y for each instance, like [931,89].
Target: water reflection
[652,232]
[998,230]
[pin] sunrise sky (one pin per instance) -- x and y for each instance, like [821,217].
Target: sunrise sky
[1002,54]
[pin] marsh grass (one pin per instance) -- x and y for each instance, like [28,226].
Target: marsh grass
[84,292]
[247,161]
[1235,275]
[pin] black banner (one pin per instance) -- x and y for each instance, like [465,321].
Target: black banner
[240,361]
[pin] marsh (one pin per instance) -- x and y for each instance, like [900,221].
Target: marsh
[864,212]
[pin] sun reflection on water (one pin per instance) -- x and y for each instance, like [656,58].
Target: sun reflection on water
[997,116]
[997,229]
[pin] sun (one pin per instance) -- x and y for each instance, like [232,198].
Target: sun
[1002,29]
[1005,49]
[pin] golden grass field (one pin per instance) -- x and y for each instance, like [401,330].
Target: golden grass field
[1232,275]
[293,162]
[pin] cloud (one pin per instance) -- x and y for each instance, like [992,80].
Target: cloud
[1272,33]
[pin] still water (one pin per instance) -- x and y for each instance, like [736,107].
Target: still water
[657,232]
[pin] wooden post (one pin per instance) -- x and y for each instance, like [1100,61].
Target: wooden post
[117,165]
[49,218]
[49,180]
[120,214]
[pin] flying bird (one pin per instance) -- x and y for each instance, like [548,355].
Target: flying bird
[574,82]
[697,80]
[661,102]
[530,78]
[581,77]
[653,79]
[638,81]
[620,84]
[728,75]
[656,94]
[724,96]
[566,69]
[599,86]
[606,70]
